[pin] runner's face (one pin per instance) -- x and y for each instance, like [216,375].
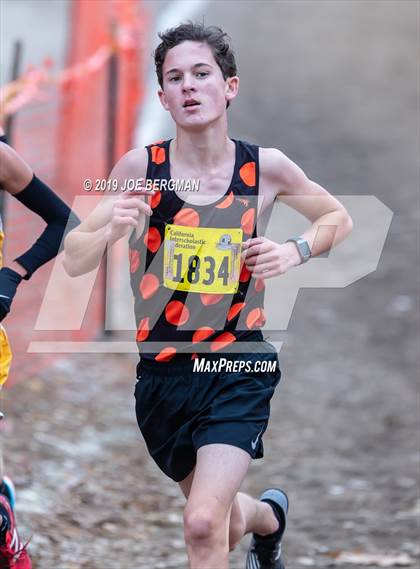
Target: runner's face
[194,91]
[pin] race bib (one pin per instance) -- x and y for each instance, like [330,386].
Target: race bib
[202,259]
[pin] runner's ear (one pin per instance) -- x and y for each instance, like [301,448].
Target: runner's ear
[162,99]
[231,89]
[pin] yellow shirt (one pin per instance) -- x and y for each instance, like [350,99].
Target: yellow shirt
[5,351]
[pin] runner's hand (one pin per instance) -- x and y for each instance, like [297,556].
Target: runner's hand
[266,259]
[127,212]
[9,281]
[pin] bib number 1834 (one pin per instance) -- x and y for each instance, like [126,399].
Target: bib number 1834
[202,259]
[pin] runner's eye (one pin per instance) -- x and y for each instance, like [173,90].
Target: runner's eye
[174,78]
[202,73]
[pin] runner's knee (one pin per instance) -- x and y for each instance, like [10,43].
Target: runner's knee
[202,524]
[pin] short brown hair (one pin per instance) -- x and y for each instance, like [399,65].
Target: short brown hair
[214,37]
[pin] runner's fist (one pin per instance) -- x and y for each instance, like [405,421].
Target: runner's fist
[265,258]
[128,212]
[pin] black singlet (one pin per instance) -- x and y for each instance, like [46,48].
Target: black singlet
[212,315]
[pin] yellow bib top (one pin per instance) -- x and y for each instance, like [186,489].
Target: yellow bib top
[5,351]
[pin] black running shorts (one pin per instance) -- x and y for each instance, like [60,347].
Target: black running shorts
[179,410]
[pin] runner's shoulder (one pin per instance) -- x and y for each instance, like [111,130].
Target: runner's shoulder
[278,168]
[274,163]
[132,165]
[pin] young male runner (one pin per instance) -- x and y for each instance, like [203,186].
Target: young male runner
[17,178]
[194,293]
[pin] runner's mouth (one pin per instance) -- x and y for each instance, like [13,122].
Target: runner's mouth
[191,103]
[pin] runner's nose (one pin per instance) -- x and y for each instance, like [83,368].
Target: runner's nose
[187,84]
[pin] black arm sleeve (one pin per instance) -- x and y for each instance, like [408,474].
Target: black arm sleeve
[40,199]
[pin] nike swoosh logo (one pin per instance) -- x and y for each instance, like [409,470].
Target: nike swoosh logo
[4,296]
[254,443]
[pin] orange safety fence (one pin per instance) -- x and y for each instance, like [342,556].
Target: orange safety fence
[61,128]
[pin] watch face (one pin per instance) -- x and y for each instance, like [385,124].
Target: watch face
[302,246]
[304,249]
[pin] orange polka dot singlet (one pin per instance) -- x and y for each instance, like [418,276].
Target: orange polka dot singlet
[179,321]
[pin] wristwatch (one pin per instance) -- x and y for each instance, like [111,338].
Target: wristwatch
[302,247]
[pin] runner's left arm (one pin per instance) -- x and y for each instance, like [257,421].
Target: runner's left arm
[17,178]
[282,179]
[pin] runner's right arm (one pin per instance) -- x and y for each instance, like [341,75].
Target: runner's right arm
[114,217]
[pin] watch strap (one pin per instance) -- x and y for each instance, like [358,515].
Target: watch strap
[302,246]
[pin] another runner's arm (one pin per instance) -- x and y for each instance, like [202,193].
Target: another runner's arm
[112,219]
[285,181]
[17,178]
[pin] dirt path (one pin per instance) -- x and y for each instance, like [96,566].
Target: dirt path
[334,86]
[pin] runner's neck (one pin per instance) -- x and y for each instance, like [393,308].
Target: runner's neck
[213,184]
[201,153]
